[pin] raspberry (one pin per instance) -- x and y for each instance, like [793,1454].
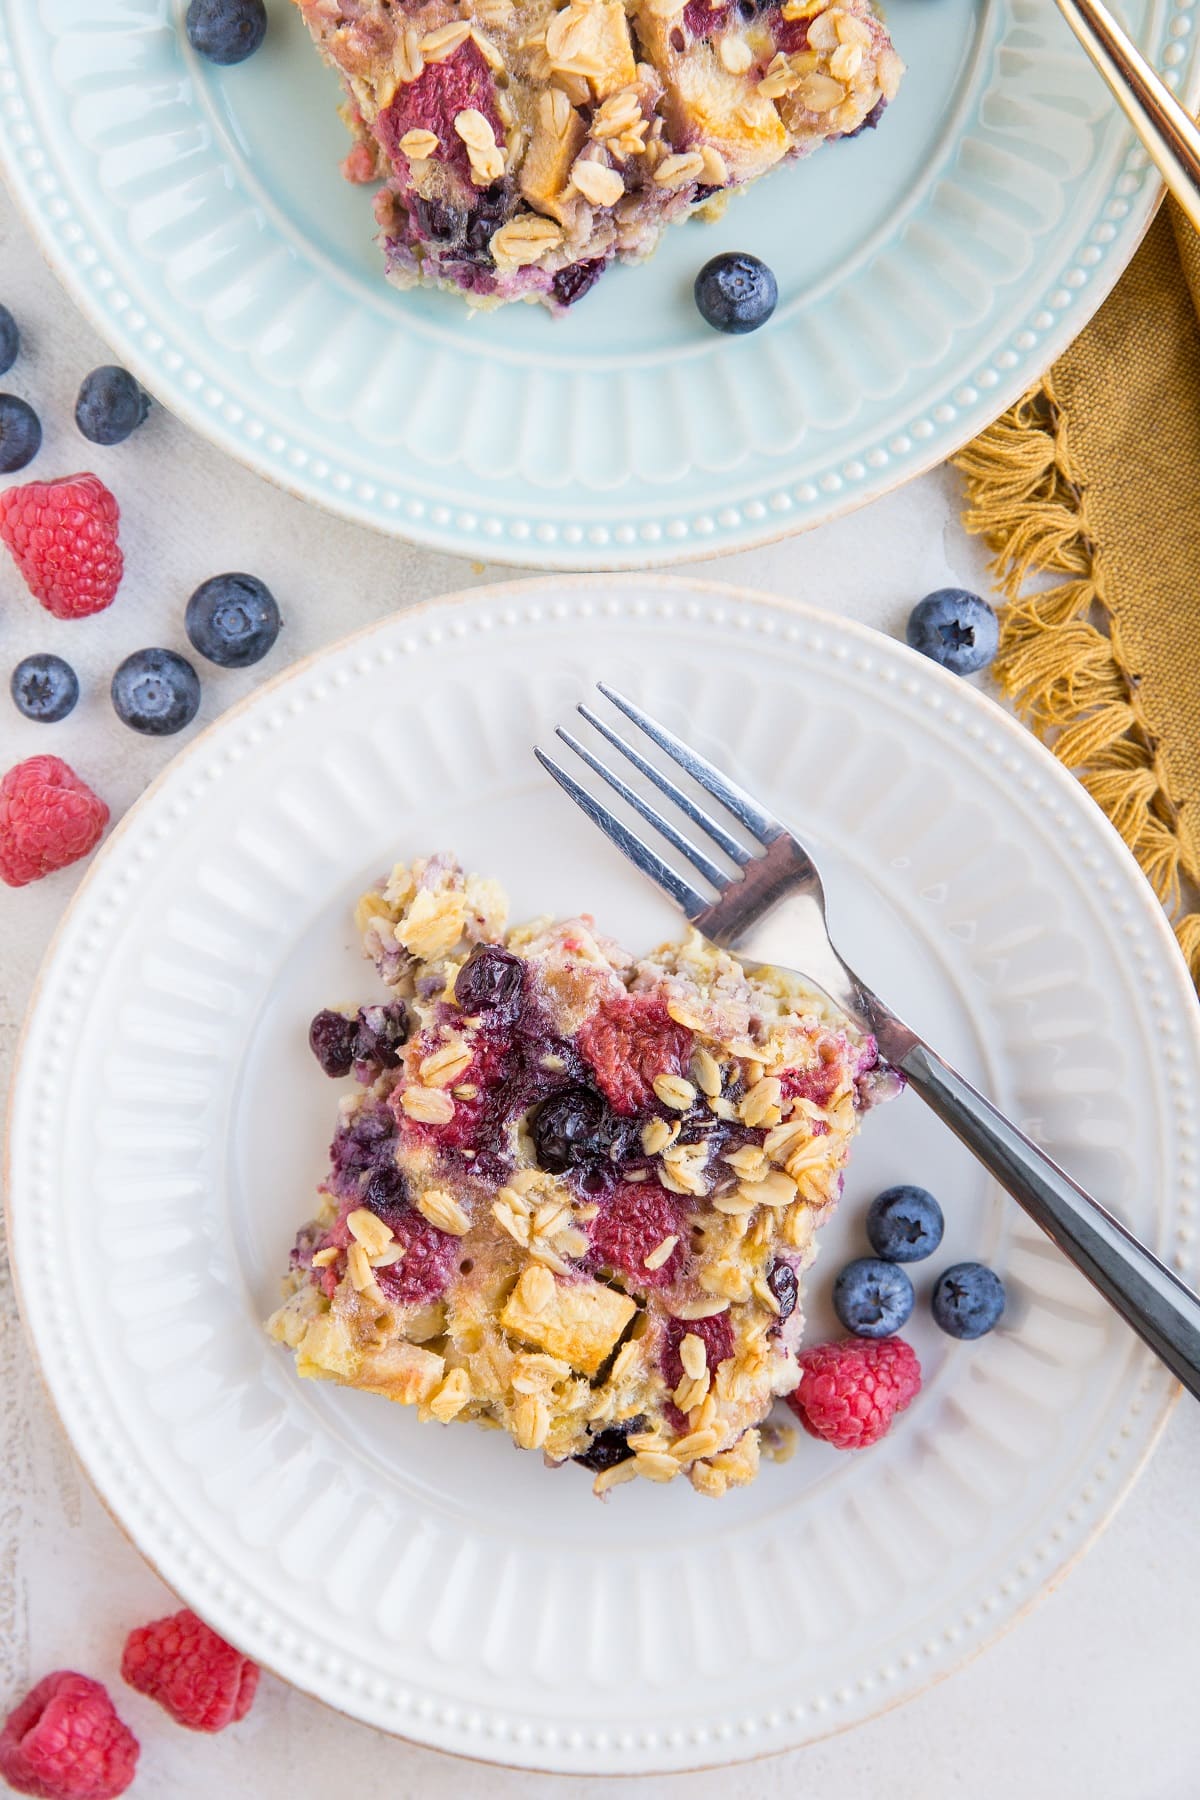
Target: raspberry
[791,35]
[424,1269]
[49,818]
[631,1224]
[65,1742]
[203,1682]
[63,535]
[359,166]
[478,1124]
[850,1392]
[715,1333]
[701,18]
[628,1042]
[432,103]
[817,1084]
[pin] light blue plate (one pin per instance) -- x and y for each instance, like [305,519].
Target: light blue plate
[928,272]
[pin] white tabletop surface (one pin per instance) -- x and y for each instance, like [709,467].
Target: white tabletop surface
[1092,1695]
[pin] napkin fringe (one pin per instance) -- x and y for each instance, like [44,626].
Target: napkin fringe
[1060,659]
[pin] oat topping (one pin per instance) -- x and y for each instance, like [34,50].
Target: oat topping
[535,1216]
[439,46]
[525,239]
[418,143]
[487,164]
[601,185]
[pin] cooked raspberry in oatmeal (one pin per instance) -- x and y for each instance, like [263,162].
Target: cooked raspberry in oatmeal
[523,146]
[571,1193]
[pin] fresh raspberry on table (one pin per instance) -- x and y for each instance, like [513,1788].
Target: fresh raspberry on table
[49,818]
[203,1682]
[65,1742]
[630,1040]
[849,1392]
[63,535]
[634,1220]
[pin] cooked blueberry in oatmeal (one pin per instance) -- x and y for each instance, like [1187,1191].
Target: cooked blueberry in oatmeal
[572,1193]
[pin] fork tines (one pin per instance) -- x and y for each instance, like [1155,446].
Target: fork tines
[759,824]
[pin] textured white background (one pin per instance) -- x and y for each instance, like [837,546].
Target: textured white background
[1093,1694]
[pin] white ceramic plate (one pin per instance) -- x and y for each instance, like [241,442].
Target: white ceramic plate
[168,1128]
[929,272]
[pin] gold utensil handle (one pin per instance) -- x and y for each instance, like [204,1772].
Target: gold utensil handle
[1170,136]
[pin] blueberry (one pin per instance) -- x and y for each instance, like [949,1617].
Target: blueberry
[782,1282]
[381,1032]
[609,1447]
[20,434]
[437,221]
[111,405]
[386,1193]
[623,1141]
[10,340]
[735,292]
[957,629]
[358,1145]
[577,279]
[571,1129]
[331,1038]
[905,1224]
[968,1300]
[44,688]
[491,209]
[156,691]
[226,31]
[232,620]
[872,1298]
[374,1035]
[871,121]
[489,978]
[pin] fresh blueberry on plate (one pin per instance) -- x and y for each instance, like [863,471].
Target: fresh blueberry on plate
[955,628]
[20,434]
[111,405]
[44,688]
[10,340]
[872,1298]
[968,1300]
[226,31]
[905,1224]
[736,292]
[232,620]
[156,691]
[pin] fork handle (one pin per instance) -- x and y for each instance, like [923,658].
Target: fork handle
[1163,125]
[1161,1308]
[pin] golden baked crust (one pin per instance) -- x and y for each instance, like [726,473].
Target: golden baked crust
[573,1194]
[526,145]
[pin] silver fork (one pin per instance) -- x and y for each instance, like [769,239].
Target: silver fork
[771,909]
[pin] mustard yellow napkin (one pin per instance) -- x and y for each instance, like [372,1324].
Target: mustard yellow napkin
[1088,493]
